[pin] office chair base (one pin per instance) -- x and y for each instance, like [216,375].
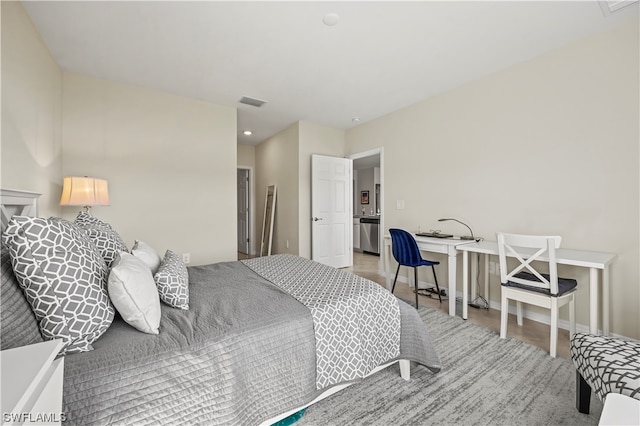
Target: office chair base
[432,294]
[432,291]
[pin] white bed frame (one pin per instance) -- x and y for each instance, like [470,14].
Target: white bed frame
[405,373]
[25,203]
[18,202]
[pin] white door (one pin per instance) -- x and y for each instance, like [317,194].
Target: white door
[243,211]
[331,215]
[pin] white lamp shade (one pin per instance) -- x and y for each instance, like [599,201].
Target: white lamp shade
[84,191]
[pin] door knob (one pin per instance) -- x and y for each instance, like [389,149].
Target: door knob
[315,219]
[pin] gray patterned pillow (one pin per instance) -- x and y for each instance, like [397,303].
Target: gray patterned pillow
[18,324]
[63,277]
[103,236]
[172,280]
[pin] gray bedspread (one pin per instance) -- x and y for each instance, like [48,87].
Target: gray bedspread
[243,353]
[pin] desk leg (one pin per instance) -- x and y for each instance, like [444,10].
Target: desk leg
[605,301]
[452,282]
[593,301]
[486,278]
[387,254]
[474,274]
[465,283]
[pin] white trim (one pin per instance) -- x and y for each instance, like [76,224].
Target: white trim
[18,202]
[404,373]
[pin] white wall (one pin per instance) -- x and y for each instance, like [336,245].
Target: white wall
[170,162]
[285,160]
[366,183]
[31,149]
[246,156]
[549,146]
[277,164]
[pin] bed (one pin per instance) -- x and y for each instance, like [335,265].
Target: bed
[261,339]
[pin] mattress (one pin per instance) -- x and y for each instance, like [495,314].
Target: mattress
[244,352]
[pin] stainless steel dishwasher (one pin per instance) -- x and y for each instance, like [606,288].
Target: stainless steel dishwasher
[369,241]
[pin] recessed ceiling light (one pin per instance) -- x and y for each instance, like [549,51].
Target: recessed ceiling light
[247,132]
[331,19]
[356,120]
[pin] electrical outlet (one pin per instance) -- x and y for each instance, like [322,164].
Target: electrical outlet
[186,257]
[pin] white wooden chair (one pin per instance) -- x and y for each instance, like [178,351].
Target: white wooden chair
[524,284]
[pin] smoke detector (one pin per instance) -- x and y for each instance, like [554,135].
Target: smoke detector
[331,19]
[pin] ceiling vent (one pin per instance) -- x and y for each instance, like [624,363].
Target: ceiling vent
[252,101]
[611,6]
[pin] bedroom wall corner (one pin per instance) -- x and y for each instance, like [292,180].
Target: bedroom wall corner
[170,161]
[277,164]
[31,151]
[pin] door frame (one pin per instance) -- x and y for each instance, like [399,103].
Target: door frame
[251,215]
[371,153]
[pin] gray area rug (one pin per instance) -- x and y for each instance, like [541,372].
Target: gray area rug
[484,381]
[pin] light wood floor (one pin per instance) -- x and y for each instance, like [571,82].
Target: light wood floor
[532,332]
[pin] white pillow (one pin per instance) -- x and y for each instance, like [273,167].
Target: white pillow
[147,254]
[134,294]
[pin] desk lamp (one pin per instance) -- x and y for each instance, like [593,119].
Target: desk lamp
[464,237]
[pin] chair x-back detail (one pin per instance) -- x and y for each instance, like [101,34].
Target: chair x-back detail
[526,284]
[406,252]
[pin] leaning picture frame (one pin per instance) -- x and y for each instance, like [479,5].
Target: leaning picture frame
[364,197]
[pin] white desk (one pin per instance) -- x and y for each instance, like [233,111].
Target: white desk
[446,246]
[595,261]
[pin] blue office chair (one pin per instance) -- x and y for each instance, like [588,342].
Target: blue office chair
[406,252]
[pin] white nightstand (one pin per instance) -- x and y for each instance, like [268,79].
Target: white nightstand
[620,410]
[32,382]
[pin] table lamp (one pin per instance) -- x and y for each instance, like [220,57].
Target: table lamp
[84,191]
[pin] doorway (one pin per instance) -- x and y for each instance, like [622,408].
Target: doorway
[368,201]
[245,223]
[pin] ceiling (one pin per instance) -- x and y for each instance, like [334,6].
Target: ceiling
[378,58]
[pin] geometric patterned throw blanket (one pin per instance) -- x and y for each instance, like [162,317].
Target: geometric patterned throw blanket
[347,312]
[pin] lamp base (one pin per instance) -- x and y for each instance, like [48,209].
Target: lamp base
[466,237]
